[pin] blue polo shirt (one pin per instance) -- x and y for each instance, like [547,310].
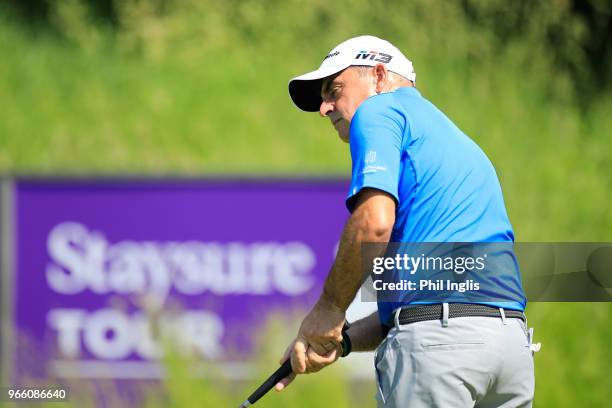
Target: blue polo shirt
[445,187]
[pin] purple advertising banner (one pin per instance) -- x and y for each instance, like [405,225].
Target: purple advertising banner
[101,267]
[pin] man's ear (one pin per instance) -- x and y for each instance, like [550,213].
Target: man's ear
[381,76]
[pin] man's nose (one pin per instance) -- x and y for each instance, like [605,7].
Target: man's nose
[326,108]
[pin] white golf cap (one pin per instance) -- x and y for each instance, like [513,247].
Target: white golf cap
[305,90]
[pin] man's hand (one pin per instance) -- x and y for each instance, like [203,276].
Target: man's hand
[318,341]
[321,329]
[313,363]
[366,334]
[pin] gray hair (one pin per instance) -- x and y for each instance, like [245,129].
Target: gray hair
[363,71]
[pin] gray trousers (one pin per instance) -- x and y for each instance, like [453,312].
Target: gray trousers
[472,362]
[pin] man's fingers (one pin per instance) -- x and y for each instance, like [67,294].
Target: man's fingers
[287,353]
[298,356]
[316,362]
[326,358]
[284,383]
[333,336]
[318,348]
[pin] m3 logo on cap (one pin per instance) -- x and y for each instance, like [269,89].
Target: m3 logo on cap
[374,56]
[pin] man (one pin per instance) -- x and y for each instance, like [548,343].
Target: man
[416,178]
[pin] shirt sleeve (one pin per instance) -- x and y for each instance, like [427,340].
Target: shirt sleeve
[376,136]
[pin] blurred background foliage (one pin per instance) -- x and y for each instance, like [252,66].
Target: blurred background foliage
[199,87]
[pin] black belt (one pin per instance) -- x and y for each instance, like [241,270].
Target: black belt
[421,313]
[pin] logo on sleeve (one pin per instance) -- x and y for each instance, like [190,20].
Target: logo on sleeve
[369,160]
[370,157]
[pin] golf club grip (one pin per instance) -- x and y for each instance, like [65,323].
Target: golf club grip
[282,372]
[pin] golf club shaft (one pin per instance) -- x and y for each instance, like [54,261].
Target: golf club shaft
[282,372]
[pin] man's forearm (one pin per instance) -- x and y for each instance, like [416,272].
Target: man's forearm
[346,275]
[371,221]
[367,333]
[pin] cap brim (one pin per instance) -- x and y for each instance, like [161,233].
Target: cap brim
[305,90]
